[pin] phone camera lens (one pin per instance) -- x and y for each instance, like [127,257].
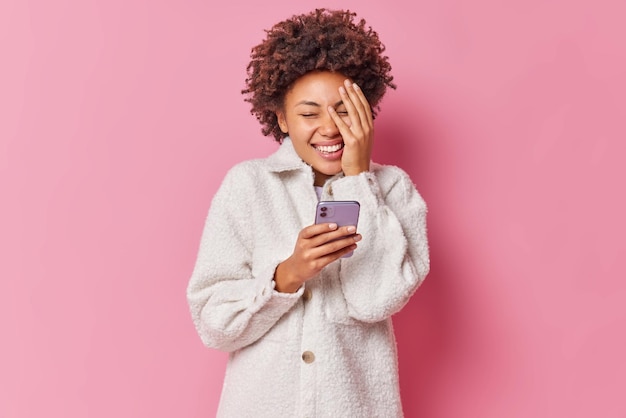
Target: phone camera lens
[324,208]
[323,214]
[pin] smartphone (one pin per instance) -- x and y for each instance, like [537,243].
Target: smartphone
[341,212]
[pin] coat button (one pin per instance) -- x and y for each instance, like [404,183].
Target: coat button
[306,295]
[308,357]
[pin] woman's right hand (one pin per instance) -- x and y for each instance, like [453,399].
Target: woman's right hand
[317,246]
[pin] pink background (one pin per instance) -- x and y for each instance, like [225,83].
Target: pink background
[118,120]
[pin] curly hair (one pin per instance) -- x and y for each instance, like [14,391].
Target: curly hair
[322,40]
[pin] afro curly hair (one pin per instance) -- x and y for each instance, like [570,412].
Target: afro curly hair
[322,40]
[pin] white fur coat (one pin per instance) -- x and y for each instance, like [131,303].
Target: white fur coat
[327,350]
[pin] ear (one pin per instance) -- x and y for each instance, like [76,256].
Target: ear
[282,121]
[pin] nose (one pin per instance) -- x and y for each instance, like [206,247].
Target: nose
[328,127]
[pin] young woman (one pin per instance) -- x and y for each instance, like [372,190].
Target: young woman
[309,331]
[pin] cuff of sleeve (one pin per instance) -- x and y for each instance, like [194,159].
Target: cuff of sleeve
[363,187]
[294,295]
[267,293]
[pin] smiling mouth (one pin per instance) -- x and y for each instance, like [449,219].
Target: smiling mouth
[328,149]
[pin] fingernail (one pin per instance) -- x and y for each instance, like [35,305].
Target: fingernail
[351,229]
[332,226]
[355,86]
[342,90]
[347,83]
[357,238]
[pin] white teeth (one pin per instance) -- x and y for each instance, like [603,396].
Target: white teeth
[329,148]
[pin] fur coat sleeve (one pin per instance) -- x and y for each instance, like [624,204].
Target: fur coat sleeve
[392,258]
[233,302]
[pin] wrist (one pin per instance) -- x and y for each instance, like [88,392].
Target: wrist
[355,171]
[285,282]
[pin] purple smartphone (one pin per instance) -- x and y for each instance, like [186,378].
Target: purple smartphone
[341,212]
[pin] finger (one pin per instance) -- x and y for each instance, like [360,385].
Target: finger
[350,101]
[324,238]
[336,256]
[352,91]
[343,127]
[366,105]
[317,229]
[334,247]
[360,103]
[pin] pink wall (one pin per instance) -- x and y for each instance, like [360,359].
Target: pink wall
[118,120]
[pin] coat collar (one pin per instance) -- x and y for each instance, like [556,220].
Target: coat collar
[285,158]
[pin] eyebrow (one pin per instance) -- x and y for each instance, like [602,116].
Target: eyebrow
[310,103]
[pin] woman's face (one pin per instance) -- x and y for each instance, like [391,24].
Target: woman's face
[305,118]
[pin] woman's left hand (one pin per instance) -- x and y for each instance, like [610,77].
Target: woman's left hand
[357,132]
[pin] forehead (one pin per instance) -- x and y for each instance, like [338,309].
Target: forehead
[321,87]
